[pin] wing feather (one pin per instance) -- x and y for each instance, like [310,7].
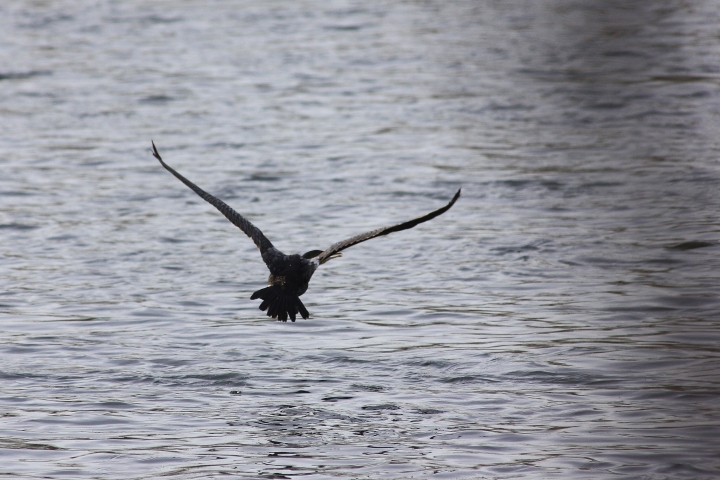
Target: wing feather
[339,246]
[235,218]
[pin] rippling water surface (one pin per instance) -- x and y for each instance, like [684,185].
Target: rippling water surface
[561,321]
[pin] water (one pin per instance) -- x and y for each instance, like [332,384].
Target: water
[561,321]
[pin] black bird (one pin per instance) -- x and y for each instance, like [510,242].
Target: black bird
[290,274]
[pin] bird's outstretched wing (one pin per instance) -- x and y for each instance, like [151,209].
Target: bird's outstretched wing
[339,246]
[238,220]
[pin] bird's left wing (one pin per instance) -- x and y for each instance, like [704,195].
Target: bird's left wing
[339,246]
[235,218]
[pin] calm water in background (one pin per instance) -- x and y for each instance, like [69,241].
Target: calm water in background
[561,321]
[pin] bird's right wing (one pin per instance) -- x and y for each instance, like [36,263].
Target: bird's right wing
[235,218]
[339,246]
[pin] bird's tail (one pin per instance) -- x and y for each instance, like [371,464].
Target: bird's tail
[280,303]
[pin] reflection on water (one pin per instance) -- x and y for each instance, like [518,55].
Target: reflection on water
[560,321]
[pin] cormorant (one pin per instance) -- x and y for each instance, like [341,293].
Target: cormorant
[290,274]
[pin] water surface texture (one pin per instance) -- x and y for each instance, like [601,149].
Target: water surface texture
[561,321]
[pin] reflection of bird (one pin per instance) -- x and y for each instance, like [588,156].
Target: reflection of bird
[290,274]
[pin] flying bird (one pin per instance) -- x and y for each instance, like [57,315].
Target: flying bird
[290,274]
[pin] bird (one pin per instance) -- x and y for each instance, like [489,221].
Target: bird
[291,274]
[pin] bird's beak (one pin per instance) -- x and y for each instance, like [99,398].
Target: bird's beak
[334,255]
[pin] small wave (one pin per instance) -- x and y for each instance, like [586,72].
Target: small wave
[23,75]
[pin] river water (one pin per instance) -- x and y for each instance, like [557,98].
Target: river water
[562,320]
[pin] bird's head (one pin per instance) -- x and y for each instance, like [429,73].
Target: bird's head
[314,253]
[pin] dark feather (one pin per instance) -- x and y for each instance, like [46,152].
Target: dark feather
[303,310]
[235,218]
[264,304]
[282,308]
[280,303]
[262,293]
[339,246]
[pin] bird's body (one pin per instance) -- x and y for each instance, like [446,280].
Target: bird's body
[288,280]
[291,274]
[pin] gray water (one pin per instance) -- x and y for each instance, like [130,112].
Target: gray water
[561,321]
